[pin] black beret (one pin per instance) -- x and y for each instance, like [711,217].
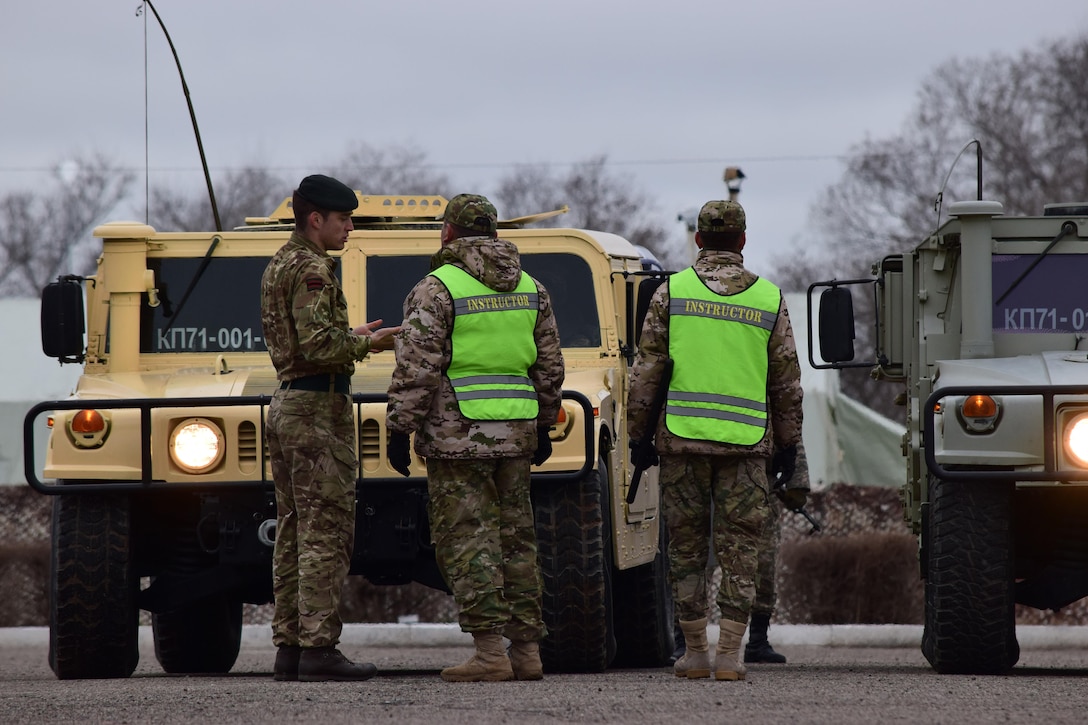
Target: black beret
[325,192]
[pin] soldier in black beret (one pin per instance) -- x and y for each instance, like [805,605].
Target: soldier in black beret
[325,192]
[311,434]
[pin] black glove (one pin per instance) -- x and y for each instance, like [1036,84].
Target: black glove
[794,498]
[783,465]
[638,453]
[400,457]
[543,446]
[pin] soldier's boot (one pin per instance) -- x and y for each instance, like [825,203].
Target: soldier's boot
[727,664]
[525,660]
[490,662]
[320,664]
[286,669]
[696,660]
[759,649]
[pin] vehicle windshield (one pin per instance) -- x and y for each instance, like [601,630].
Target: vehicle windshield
[223,312]
[1048,300]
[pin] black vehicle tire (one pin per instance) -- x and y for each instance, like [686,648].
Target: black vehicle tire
[643,611]
[970,618]
[93,622]
[575,561]
[204,637]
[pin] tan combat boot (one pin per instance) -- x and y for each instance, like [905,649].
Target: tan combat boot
[696,660]
[727,664]
[489,664]
[525,660]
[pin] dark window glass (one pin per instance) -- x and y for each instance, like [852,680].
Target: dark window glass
[222,313]
[1050,299]
[388,282]
[569,281]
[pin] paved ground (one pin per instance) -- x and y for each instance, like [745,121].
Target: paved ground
[832,677]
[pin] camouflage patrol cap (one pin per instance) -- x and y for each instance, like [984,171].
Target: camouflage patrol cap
[325,192]
[721,216]
[472,211]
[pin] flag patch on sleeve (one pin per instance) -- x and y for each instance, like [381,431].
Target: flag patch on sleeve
[314,283]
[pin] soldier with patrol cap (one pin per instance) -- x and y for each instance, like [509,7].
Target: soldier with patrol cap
[792,495]
[734,397]
[479,380]
[310,432]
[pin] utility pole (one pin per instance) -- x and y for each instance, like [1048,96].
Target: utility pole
[732,178]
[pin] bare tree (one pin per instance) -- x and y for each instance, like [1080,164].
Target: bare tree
[43,235]
[598,199]
[1030,114]
[391,170]
[240,193]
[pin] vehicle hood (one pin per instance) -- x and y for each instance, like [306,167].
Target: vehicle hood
[1056,367]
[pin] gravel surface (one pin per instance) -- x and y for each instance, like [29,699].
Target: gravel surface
[821,684]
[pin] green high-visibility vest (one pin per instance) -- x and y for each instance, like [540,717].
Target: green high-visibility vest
[493,346]
[718,390]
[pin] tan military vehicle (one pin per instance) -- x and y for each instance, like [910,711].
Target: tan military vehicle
[163,492]
[982,325]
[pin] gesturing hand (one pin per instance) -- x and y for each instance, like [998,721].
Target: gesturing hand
[381,338]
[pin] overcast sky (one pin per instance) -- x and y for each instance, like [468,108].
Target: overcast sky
[671,91]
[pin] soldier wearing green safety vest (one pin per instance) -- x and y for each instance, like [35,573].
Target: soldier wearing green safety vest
[734,399]
[727,404]
[493,346]
[479,381]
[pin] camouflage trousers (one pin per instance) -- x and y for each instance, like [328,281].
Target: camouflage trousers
[485,543]
[766,594]
[733,491]
[311,444]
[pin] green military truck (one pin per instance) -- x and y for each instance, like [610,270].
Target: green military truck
[163,498]
[983,324]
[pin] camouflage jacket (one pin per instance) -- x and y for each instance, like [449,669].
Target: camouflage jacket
[305,315]
[724,274]
[421,398]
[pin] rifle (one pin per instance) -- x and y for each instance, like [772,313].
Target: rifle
[643,451]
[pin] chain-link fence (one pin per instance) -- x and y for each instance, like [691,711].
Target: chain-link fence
[862,568]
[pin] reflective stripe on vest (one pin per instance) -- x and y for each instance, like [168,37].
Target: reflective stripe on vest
[493,347]
[718,390]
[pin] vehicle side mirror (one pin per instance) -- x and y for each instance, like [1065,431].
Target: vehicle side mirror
[836,325]
[62,320]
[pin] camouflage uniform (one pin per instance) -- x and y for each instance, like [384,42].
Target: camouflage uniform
[696,472]
[766,593]
[477,470]
[311,442]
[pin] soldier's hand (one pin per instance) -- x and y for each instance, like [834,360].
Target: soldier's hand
[641,458]
[381,338]
[783,465]
[400,458]
[794,498]
[543,446]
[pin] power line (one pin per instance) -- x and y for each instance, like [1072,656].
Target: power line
[475,165]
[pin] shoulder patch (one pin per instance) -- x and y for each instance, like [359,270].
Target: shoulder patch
[314,283]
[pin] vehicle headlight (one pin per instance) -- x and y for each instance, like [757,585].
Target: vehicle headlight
[196,445]
[1075,435]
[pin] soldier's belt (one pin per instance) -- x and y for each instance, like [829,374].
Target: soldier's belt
[321,383]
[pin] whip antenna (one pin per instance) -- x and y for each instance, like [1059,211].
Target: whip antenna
[189,101]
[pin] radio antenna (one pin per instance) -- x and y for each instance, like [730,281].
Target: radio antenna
[188,100]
